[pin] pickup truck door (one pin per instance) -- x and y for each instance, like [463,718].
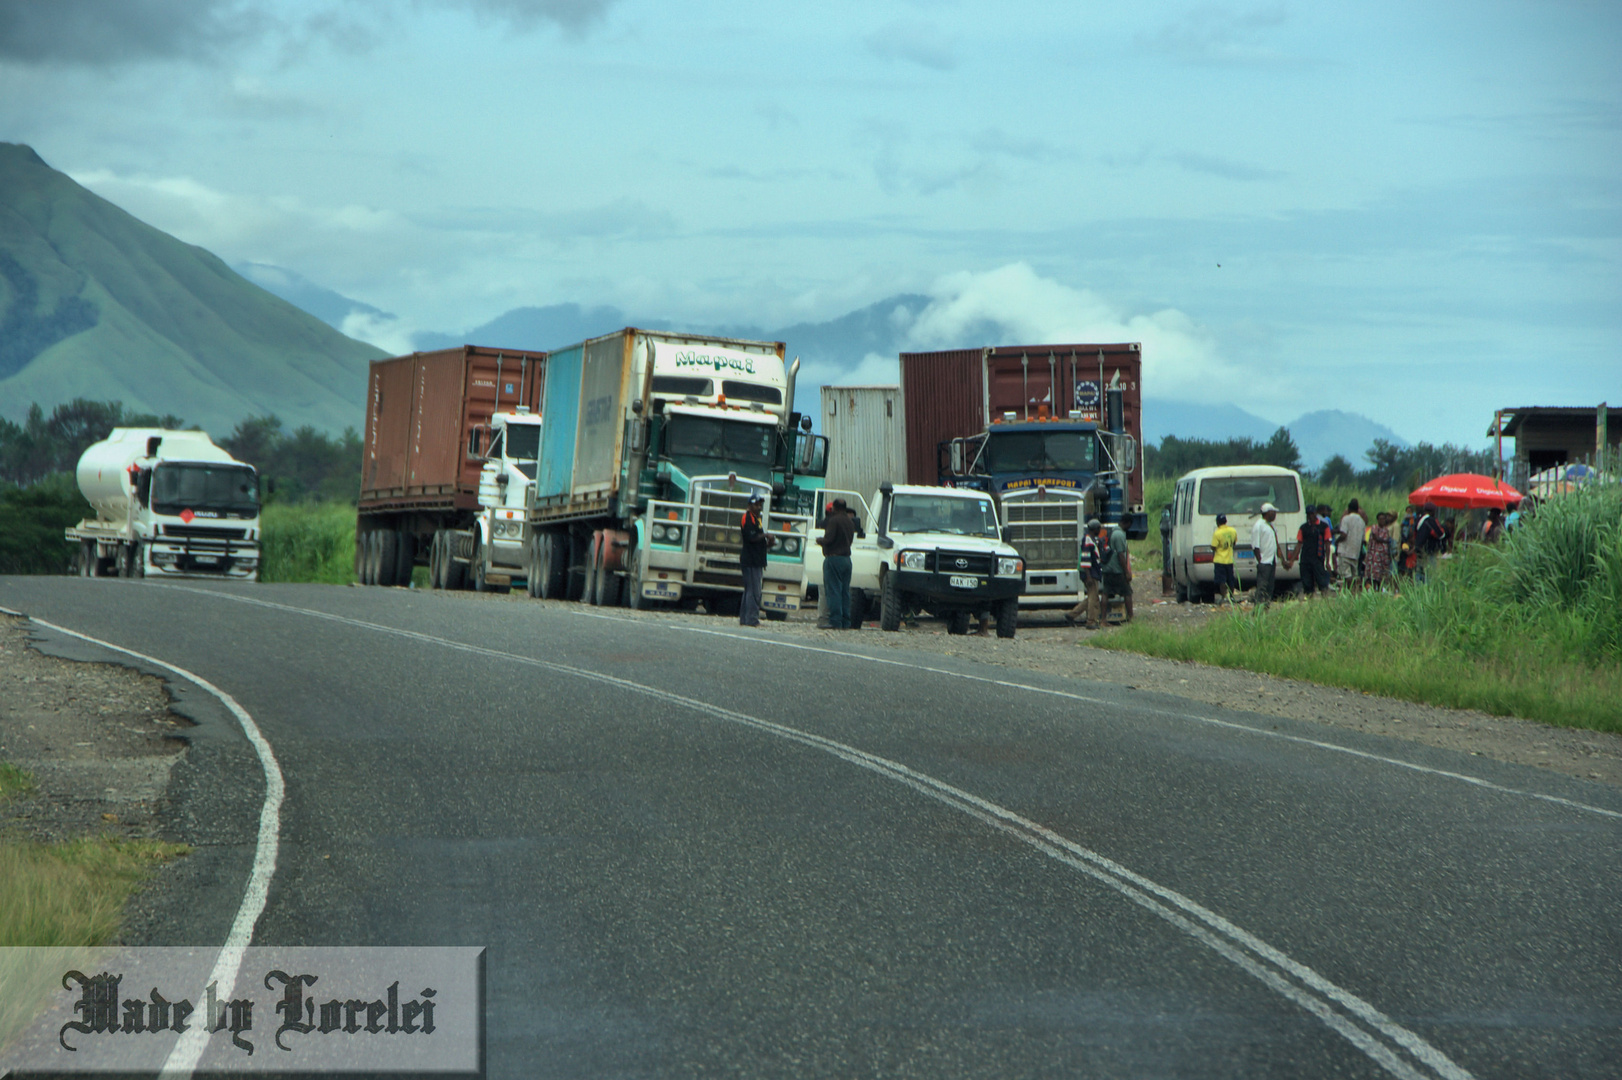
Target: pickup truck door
[813,554]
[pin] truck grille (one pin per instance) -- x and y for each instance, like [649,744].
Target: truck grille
[963,562]
[720,513]
[204,532]
[1046,534]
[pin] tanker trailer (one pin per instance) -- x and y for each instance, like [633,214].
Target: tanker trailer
[168,504]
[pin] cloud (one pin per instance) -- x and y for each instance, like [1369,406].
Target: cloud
[114,31]
[1222,36]
[915,42]
[575,15]
[1225,168]
[1013,305]
[385,331]
[618,219]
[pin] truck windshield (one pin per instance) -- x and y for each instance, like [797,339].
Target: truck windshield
[222,489]
[942,513]
[724,440]
[523,441]
[1021,451]
[1245,494]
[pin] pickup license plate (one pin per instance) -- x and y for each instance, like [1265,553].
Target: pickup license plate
[660,590]
[206,560]
[958,581]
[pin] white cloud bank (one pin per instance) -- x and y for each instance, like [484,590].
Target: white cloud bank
[1014,305]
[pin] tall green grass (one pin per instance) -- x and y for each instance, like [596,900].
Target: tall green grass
[308,542]
[1529,628]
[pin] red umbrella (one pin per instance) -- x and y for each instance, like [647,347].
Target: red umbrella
[1465,491]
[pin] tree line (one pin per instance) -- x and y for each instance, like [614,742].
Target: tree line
[294,466]
[1389,467]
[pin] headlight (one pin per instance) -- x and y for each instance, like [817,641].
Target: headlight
[1010,567]
[913,560]
[658,531]
[792,545]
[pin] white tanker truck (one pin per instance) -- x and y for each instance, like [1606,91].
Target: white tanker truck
[168,503]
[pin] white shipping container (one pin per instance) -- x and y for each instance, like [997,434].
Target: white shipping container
[866,430]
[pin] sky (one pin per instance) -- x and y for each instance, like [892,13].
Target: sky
[1407,210]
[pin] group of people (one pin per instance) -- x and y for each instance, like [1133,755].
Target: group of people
[1104,565]
[1350,554]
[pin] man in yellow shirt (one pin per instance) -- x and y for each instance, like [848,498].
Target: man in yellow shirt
[1223,542]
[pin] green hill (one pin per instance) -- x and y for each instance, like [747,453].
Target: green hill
[96,304]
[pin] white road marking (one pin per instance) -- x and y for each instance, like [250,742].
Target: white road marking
[189,1047]
[1376,1035]
[1213,721]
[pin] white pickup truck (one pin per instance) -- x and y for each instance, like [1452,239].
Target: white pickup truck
[935,550]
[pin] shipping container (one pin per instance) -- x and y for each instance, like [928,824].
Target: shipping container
[866,430]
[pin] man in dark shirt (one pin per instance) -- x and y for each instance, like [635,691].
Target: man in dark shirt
[838,529]
[1309,539]
[752,561]
[1430,538]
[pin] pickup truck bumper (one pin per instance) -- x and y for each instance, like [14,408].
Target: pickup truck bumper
[938,591]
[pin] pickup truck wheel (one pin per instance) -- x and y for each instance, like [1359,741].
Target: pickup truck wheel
[957,623]
[889,603]
[1007,613]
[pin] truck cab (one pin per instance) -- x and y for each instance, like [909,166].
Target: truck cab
[936,550]
[505,480]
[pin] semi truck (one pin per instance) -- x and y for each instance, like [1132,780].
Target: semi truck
[1051,432]
[651,445]
[168,504]
[450,451]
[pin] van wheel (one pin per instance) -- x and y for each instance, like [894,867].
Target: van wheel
[957,623]
[1007,612]
[889,603]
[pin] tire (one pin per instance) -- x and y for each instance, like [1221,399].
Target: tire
[1182,593]
[775,616]
[859,607]
[889,603]
[388,555]
[368,559]
[436,553]
[1007,612]
[633,586]
[87,558]
[406,563]
[957,623]
[455,572]
[574,567]
[553,566]
[480,584]
[126,560]
[588,588]
[532,576]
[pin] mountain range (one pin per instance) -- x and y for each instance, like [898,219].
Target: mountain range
[96,304]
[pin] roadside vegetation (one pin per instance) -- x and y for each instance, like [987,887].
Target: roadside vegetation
[1531,627]
[312,541]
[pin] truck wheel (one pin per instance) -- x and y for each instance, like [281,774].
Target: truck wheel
[365,568]
[553,566]
[574,567]
[455,573]
[889,603]
[1007,613]
[436,552]
[532,574]
[87,558]
[588,589]
[633,585]
[407,562]
[957,623]
[388,554]
[480,583]
[126,560]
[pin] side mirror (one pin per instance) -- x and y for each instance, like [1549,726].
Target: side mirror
[956,455]
[1007,534]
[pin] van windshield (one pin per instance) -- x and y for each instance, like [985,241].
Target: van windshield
[1245,494]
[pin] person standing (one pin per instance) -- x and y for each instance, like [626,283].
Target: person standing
[1429,540]
[1350,538]
[1377,562]
[1115,571]
[1088,568]
[838,529]
[1166,586]
[1224,540]
[752,561]
[1264,544]
[1492,530]
[1309,539]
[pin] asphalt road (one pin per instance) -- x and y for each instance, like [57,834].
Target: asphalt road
[692,849]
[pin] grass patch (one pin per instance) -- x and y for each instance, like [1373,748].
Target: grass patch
[1529,628]
[308,542]
[72,894]
[14,781]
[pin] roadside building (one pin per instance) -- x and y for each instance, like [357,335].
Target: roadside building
[1547,437]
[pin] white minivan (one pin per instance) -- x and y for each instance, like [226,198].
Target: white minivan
[1238,491]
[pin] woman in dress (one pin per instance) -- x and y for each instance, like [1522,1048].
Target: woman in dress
[1377,564]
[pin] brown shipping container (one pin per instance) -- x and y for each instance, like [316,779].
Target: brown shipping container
[421,412]
[946,394]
